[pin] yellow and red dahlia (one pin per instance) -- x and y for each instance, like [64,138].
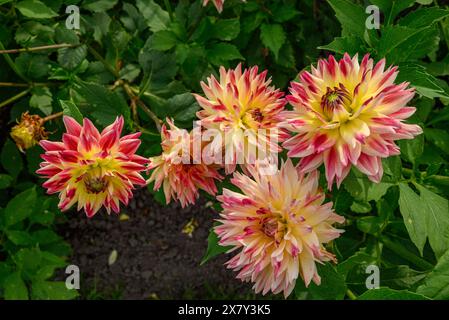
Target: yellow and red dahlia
[92,168]
[217,3]
[279,222]
[244,108]
[176,171]
[345,114]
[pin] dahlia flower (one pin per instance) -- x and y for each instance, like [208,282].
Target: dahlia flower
[28,132]
[92,168]
[175,171]
[217,3]
[345,114]
[279,223]
[244,109]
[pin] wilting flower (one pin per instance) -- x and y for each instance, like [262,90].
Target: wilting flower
[280,224]
[92,168]
[348,114]
[245,109]
[176,171]
[28,132]
[217,3]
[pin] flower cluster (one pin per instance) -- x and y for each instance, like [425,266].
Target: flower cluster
[344,114]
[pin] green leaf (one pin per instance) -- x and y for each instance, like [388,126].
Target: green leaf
[423,17]
[70,58]
[5,181]
[435,285]
[52,290]
[349,44]
[283,12]
[436,212]
[412,149]
[164,40]
[332,285]
[400,277]
[41,99]
[15,288]
[35,9]
[105,105]
[221,52]
[11,159]
[33,66]
[412,210]
[20,207]
[156,18]
[213,248]
[356,263]
[361,188]
[273,37]
[71,110]
[19,238]
[418,77]
[226,29]
[371,225]
[99,5]
[351,16]
[391,8]
[390,294]
[438,137]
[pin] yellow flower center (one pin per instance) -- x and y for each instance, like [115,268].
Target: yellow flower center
[336,100]
[95,184]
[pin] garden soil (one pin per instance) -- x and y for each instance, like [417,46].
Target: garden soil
[155,259]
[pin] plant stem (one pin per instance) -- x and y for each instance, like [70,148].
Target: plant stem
[169,9]
[52,116]
[13,65]
[135,100]
[40,48]
[103,61]
[351,294]
[14,98]
[26,85]
[406,254]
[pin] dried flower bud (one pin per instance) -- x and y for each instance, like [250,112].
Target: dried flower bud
[28,132]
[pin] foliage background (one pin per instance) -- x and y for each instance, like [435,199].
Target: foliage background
[143,58]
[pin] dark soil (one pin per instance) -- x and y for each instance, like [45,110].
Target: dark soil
[155,258]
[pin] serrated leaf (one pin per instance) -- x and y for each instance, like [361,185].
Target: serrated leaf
[222,52]
[164,40]
[351,16]
[99,5]
[15,288]
[70,58]
[42,99]
[156,18]
[35,9]
[412,210]
[273,37]
[341,45]
[390,294]
[70,109]
[226,29]
[435,285]
[20,207]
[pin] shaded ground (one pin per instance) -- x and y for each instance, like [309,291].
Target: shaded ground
[155,259]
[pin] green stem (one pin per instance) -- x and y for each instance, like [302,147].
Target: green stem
[401,251]
[14,98]
[40,48]
[12,64]
[351,294]
[103,61]
[169,9]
